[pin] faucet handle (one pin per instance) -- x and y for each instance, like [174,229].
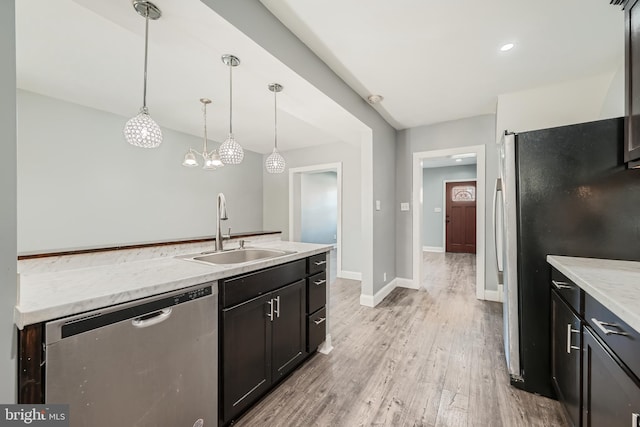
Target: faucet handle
[228,236]
[241,243]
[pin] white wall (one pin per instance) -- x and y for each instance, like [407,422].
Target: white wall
[479,130]
[571,102]
[276,195]
[432,190]
[8,285]
[613,104]
[81,185]
[319,207]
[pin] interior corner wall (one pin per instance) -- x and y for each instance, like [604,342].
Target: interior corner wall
[478,130]
[8,266]
[276,195]
[433,196]
[566,103]
[378,154]
[80,185]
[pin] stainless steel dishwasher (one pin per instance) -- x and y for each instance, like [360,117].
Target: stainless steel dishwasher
[151,362]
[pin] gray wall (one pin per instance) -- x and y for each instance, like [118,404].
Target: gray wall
[276,195]
[479,130]
[432,190]
[8,285]
[252,18]
[319,213]
[81,185]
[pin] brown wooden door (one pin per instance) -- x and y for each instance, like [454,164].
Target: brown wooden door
[461,217]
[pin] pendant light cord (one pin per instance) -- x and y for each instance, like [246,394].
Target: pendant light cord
[231,97]
[146,48]
[204,147]
[275,118]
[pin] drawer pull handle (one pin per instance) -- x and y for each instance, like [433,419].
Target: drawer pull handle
[320,262]
[320,320]
[320,282]
[570,330]
[603,327]
[561,285]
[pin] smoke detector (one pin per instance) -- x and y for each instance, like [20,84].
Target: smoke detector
[374,99]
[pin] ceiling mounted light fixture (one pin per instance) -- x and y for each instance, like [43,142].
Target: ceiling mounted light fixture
[375,99]
[211,159]
[275,163]
[231,153]
[507,47]
[142,130]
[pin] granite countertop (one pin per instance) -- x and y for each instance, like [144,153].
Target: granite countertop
[47,296]
[615,284]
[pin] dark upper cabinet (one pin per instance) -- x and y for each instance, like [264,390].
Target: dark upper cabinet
[632,83]
[565,357]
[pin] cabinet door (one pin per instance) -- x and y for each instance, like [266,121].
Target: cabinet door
[288,328]
[611,395]
[566,357]
[245,355]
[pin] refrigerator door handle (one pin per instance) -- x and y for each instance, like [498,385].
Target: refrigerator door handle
[497,188]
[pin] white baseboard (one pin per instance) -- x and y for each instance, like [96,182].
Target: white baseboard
[495,296]
[432,249]
[373,300]
[401,282]
[352,275]
[326,347]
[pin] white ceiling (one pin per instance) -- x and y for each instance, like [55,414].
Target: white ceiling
[90,52]
[432,61]
[435,61]
[442,162]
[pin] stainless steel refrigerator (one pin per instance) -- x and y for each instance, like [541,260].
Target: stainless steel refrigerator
[561,191]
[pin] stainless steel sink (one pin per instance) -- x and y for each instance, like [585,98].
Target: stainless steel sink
[236,256]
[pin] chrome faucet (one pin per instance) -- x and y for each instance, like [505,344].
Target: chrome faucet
[221,215]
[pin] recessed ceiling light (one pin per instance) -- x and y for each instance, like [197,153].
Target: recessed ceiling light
[507,47]
[458,160]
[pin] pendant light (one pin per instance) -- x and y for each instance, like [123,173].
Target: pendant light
[141,130]
[231,153]
[275,162]
[211,159]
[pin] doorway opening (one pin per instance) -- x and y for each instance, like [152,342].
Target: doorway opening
[429,200]
[315,208]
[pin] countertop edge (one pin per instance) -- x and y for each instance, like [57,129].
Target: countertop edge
[24,315]
[571,267]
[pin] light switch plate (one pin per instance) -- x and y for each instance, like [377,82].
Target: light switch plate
[377,205]
[404,206]
[437,209]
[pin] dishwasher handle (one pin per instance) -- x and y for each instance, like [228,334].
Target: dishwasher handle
[152,318]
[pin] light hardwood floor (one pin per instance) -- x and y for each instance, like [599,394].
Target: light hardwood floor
[431,357]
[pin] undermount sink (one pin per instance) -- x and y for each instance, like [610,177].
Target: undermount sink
[237,256]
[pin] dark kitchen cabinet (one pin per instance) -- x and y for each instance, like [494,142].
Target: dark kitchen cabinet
[566,360]
[632,81]
[611,395]
[288,329]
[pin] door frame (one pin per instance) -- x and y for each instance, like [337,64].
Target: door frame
[444,203]
[294,203]
[479,150]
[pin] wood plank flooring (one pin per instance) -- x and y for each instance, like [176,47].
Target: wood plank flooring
[431,357]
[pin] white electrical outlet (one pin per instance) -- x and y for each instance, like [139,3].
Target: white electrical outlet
[384,277]
[404,206]
[377,205]
[437,209]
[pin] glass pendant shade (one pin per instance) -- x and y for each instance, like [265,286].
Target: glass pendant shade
[231,153]
[190,160]
[142,131]
[275,162]
[215,159]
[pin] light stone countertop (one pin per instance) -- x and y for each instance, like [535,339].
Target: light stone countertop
[615,284]
[47,296]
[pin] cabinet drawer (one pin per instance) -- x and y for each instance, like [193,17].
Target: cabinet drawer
[623,340]
[242,288]
[316,291]
[568,290]
[316,263]
[316,329]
